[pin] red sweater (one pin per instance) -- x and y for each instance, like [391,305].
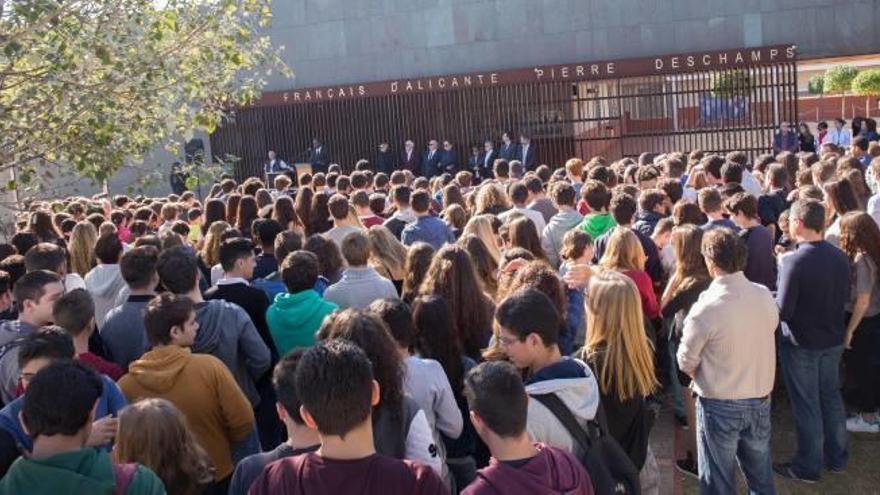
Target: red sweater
[646,292]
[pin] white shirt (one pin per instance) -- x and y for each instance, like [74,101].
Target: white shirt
[841,138]
[525,153]
[486,163]
[751,184]
[535,216]
[874,208]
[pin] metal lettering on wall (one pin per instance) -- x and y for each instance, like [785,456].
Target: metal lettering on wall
[726,59]
[714,101]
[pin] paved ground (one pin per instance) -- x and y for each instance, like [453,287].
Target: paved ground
[862,475]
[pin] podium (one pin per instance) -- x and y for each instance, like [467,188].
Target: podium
[302,168]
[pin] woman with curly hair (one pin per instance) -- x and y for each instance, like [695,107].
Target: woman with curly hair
[452,276]
[154,433]
[492,200]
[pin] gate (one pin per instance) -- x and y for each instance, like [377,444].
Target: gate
[715,101]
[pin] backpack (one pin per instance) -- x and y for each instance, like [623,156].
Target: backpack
[611,470]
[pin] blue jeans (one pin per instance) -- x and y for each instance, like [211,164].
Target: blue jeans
[813,384]
[729,431]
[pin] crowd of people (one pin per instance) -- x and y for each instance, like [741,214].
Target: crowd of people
[515,333]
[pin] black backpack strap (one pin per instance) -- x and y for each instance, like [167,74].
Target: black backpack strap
[555,405]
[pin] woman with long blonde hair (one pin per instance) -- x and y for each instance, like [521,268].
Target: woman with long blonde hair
[154,433]
[481,226]
[81,249]
[387,255]
[622,358]
[624,254]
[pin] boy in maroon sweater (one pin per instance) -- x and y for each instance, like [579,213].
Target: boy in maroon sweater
[498,410]
[334,381]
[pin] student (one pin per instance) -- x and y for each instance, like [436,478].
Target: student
[652,208]
[387,255]
[300,438]
[426,227]
[75,313]
[104,282]
[400,427]
[225,330]
[529,331]
[265,232]
[297,314]
[239,266]
[761,265]
[687,282]
[49,256]
[623,360]
[564,199]
[342,224]
[451,275]
[814,286]
[860,240]
[361,202]
[403,213]
[424,381]
[197,384]
[155,433]
[331,377]
[38,350]
[624,254]
[123,333]
[712,205]
[60,461]
[728,347]
[360,284]
[623,210]
[499,406]
[598,220]
[285,243]
[35,293]
[537,200]
[519,195]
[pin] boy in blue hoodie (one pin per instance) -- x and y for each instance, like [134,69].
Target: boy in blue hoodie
[37,351]
[499,410]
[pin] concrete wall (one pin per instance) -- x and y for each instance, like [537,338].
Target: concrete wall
[348,41]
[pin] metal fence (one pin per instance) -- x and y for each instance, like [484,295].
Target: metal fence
[711,110]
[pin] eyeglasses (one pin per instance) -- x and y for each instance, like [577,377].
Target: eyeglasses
[507,341]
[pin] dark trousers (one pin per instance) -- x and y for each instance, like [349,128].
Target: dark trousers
[861,371]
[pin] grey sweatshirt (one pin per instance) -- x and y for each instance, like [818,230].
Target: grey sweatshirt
[105,284]
[551,237]
[227,333]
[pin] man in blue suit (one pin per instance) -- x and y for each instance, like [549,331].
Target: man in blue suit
[431,159]
[448,159]
[528,153]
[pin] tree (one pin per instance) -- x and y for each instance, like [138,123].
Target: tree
[838,79]
[816,85]
[96,84]
[867,83]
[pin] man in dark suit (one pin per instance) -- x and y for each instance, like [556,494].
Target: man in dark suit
[487,160]
[528,153]
[474,160]
[410,159]
[431,160]
[509,150]
[319,158]
[385,159]
[448,159]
